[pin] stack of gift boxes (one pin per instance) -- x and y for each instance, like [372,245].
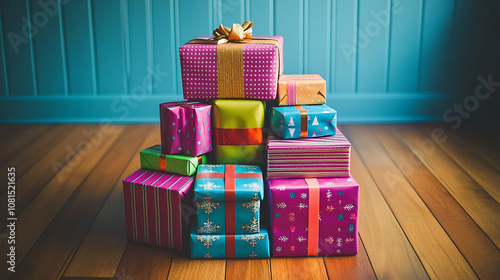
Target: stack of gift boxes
[203,187]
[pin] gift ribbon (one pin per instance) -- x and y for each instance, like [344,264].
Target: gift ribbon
[163,161]
[229,197]
[238,136]
[237,33]
[313,218]
[303,121]
[230,80]
[163,164]
[291,89]
[230,177]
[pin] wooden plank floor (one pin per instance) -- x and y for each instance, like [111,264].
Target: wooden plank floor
[429,207]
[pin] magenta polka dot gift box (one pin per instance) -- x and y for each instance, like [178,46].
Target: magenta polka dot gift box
[244,69]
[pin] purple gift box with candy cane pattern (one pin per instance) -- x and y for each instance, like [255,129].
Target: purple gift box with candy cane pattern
[314,216]
[185,128]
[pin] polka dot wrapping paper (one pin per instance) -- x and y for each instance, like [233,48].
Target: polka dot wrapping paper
[249,69]
[185,128]
[301,90]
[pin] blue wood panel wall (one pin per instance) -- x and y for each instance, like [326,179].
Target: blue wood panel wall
[392,51]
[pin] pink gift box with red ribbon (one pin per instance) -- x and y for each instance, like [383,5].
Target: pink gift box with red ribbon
[154,201]
[185,128]
[313,216]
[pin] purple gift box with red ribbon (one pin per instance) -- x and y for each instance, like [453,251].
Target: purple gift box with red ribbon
[154,201]
[313,216]
[185,128]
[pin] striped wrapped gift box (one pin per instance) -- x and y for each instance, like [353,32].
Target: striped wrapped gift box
[320,157]
[153,208]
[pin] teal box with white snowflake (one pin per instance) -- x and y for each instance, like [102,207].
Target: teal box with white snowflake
[255,245]
[227,198]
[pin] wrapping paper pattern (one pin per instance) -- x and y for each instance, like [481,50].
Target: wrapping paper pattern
[303,121]
[238,125]
[230,245]
[327,156]
[153,205]
[153,158]
[301,90]
[334,221]
[254,65]
[185,128]
[227,198]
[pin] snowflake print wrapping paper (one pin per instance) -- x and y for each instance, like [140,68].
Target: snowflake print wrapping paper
[255,245]
[227,198]
[337,221]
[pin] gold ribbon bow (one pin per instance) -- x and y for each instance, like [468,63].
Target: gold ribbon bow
[224,34]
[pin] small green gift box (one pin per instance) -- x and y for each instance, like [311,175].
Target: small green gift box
[153,158]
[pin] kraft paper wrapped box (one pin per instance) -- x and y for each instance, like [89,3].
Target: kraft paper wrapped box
[185,128]
[301,90]
[327,156]
[153,158]
[154,202]
[246,69]
[238,131]
[311,217]
[291,122]
[227,198]
[230,246]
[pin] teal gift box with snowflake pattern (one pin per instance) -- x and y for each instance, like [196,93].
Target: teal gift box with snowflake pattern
[227,198]
[229,246]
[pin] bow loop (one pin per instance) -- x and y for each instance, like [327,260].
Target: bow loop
[236,33]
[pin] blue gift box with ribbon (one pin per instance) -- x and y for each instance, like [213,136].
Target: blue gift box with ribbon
[227,198]
[291,122]
[229,246]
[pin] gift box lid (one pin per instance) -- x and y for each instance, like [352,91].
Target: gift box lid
[161,180]
[185,104]
[311,120]
[229,182]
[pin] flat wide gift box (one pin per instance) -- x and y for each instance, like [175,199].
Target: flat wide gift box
[227,198]
[238,131]
[153,158]
[303,121]
[185,128]
[230,246]
[301,90]
[327,156]
[314,216]
[244,69]
[153,208]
